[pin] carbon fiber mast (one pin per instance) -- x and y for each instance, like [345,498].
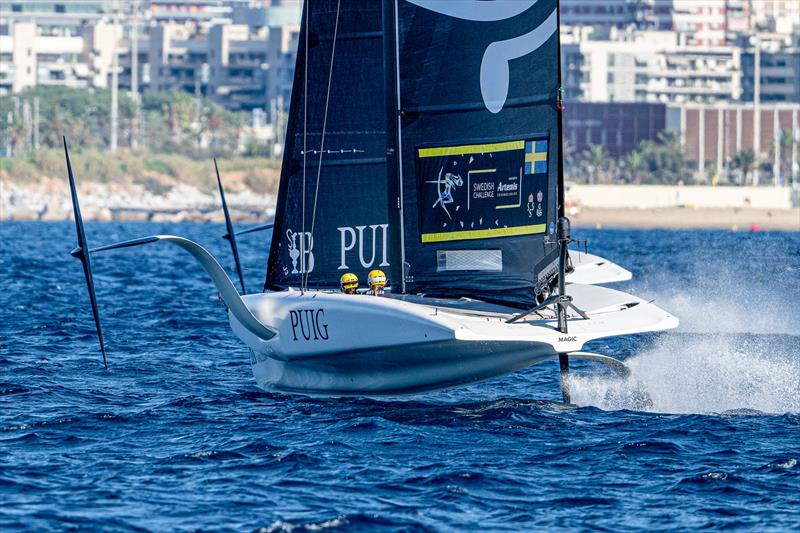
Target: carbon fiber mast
[230,236]
[81,252]
[563,232]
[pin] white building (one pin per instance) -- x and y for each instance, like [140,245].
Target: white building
[240,66]
[240,69]
[704,22]
[64,17]
[647,66]
[28,58]
[779,72]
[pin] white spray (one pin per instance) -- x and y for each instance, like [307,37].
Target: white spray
[737,348]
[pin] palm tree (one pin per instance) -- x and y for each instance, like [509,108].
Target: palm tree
[634,165]
[744,160]
[596,160]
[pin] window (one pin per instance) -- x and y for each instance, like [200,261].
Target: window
[60,8]
[16,8]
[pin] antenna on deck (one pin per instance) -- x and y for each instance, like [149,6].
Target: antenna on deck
[230,236]
[82,252]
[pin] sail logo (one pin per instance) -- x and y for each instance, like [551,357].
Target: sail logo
[364,239]
[445,187]
[301,246]
[494,75]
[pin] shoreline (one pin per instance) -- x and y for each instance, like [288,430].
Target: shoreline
[48,200]
[732,218]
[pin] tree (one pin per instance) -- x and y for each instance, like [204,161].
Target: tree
[785,142]
[663,162]
[743,160]
[596,160]
[633,166]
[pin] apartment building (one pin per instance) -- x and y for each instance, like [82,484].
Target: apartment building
[232,65]
[54,17]
[779,68]
[282,52]
[611,13]
[704,22]
[29,58]
[242,66]
[647,66]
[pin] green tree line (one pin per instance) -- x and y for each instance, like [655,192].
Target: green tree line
[171,122]
[663,162]
[652,162]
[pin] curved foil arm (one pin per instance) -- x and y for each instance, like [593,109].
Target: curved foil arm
[221,280]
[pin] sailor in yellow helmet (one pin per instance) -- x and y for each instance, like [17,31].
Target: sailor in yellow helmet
[349,283]
[377,281]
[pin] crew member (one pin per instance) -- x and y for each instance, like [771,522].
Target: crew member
[377,281]
[349,283]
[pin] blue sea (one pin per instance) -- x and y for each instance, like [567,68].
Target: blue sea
[176,436]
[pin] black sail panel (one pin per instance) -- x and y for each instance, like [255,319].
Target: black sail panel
[349,228]
[480,134]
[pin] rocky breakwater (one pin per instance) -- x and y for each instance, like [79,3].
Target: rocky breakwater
[48,199]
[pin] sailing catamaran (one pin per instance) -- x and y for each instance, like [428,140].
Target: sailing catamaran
[424,139]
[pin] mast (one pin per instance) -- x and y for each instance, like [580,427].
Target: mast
[563,231]
[391,28]
[298,85]
[560,107]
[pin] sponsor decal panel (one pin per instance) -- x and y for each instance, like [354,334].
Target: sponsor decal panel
[486,190]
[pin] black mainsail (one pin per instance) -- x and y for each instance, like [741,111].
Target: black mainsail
[332,210]
[452,110]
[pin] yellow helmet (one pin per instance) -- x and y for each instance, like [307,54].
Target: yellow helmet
[349,283]
[376,279]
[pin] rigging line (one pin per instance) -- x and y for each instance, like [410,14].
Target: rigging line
[324,125]
[303,265]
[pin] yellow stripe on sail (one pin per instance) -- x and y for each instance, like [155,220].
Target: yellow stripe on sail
[471,149]
[483,233]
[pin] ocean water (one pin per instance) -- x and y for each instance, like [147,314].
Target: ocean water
[176,436]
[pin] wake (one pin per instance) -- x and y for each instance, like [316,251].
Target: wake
[737,348]
[686,373]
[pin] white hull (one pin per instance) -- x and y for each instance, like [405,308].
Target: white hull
[590,269]
[334,344]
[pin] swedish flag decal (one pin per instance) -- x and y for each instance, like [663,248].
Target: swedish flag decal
[535,157]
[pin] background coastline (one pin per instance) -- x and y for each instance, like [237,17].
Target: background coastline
[734,218]
[624,206]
